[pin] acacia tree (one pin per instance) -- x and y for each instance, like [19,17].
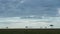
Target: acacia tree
[26,26]
[7,27]
[51,26]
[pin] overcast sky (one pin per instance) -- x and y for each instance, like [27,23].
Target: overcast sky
[13,8]
[32,13]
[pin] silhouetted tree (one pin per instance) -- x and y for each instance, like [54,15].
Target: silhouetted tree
[26,26]
[7,27]
[51,26]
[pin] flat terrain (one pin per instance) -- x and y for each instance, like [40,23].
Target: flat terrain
[29,31]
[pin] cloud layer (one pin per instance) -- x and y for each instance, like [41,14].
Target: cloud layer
[17,22]
[13,8]
[35,13]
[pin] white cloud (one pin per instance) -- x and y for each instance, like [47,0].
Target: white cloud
[59,11]
[29,24]
[17,22]
[22,1]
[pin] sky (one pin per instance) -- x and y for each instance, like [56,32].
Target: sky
[32,13]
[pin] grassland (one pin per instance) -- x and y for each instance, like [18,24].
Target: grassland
[29,31]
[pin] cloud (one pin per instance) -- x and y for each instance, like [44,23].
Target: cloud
[22,1]
[58,11]
[17,22]
[29,24]
[13,11]
[13,8]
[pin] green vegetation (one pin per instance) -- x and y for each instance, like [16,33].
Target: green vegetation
[29,31]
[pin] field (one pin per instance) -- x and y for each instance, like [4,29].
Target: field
[29,31]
